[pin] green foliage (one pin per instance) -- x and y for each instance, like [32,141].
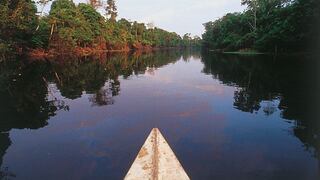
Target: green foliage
[4,49]
[40,38]
[227,32]
[277,25]
[18,22]
[93,18]
[111,10]
[69,26]
[83,26]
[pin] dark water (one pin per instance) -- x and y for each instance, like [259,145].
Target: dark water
[225,117]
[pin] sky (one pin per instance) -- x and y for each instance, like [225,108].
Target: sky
[180,16]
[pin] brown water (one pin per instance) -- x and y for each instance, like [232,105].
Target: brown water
[225,117]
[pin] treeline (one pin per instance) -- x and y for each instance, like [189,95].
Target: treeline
[68,27]
[267,25]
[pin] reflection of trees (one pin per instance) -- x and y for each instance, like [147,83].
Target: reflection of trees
[270,108]
[24,101]
[302,103]
[290,80]
[139,63]
[253,77]
[24,87]
[100,78]
[24,98]
[4,145]
[244,101]
[115,87]
[102,97]
[191,52]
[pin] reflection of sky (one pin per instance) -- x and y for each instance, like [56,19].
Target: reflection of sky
[181,16]
[194,112]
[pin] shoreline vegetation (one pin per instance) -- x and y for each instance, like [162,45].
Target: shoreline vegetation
[78,29]
[266,27]
[254,52]
[41,54]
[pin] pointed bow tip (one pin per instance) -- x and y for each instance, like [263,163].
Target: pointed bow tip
[156,161]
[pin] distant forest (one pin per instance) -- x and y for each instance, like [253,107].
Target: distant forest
[267,26]
[69,27]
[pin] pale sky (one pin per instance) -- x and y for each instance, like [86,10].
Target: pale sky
[181,16]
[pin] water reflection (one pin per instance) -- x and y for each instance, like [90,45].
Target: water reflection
[289,84]
[27,97]
[260,85]
[23,102]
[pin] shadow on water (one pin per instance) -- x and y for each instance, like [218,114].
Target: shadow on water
[291,81]
[286,84]
[27,99]
[24,102]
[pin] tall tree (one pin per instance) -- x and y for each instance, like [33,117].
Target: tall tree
[253,8]
[111,10]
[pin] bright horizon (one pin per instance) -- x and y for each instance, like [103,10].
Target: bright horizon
[180,16]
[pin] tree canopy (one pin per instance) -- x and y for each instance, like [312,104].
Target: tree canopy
[276,26]
[68,26]
[18,22]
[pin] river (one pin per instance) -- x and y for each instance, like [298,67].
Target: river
[224,116]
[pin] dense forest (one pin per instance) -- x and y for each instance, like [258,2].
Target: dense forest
[69,27]
[267,26]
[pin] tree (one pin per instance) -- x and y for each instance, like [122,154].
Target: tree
[111,10]
[93,18]
[186,39]
[69,27]
[272,25]
[252,8]
[18,22]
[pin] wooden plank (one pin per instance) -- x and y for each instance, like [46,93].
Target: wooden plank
[156,161]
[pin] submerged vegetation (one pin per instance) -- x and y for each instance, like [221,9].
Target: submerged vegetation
[268,26]
[70,27]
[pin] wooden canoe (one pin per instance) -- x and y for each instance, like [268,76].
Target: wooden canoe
[156,161]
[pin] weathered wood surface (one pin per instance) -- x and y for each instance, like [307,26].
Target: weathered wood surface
[156,161]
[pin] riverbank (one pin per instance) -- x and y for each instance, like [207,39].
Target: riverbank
[104,108]
[41,54]
[254,52]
